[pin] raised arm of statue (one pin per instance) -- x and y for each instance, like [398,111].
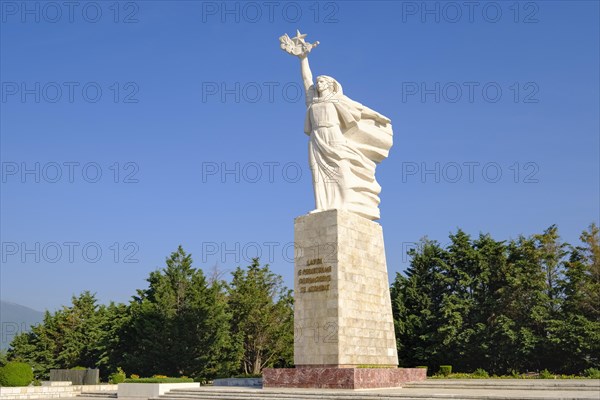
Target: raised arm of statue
[307,77]
[300,48]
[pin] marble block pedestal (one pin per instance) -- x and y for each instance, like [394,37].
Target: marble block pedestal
[343,325]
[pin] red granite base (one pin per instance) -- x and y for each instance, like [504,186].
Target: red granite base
[340,378]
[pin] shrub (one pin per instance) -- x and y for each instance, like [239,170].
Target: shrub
[117,377]
[159,380]
[593,373]
[545,374]
[134,376]
[16,374]
[78,368]
[202,381]
[481,373]
[445,370]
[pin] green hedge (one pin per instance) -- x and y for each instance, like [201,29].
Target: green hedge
[16,374]
[445,370]
[159,380]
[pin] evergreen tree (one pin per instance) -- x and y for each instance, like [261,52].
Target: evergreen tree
[68,338]
[179,324]
[582,288]
[262,318]
[576,334]
[416,306]
[112,349]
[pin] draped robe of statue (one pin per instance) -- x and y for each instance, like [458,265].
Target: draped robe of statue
[343,151]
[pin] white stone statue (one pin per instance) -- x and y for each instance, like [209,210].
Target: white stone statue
[347,141]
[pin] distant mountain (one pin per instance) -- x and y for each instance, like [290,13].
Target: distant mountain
[14,319]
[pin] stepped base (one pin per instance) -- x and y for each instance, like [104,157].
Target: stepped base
[341,378]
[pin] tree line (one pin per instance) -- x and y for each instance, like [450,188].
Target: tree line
[524,304]
[527,304]
[182,324]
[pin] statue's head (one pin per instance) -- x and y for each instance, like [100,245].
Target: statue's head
[326,84]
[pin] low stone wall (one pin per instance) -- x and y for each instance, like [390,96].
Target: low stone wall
[51,390]
[90,376]
[246,382]
[145,391]
[97,388]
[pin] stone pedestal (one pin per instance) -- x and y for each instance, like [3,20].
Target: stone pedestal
[344,330]
[342,307]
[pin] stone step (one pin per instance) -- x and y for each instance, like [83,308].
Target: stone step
[364,396]
[332,396]
[405,397]
[536,391]
[104,395]
[278,394]
[509,384]
[259,394]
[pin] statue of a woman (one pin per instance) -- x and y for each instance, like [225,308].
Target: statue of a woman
[347,140]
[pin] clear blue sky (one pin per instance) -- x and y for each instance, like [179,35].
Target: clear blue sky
[190,89]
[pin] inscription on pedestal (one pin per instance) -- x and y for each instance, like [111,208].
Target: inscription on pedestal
[314,279]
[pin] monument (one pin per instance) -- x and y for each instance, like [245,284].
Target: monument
[343,325]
